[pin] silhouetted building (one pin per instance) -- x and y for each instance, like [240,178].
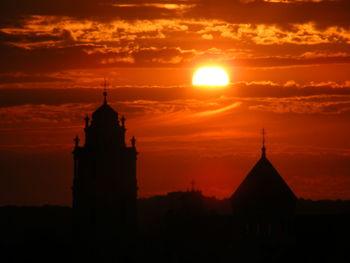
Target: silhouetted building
[104,186]
[187,203]
[263,204]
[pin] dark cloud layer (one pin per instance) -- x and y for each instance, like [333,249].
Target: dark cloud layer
[46,60]
[7,79]
[323,12]
[12,12]
[14,97]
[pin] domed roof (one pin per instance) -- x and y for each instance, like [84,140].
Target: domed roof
[263,182]
[105,113]
[104,110]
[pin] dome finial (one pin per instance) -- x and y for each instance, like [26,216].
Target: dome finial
[263,149]
[105,91]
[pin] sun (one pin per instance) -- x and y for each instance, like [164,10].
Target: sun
[210,76]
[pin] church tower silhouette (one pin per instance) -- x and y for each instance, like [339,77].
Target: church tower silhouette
[264,203]
[104,184]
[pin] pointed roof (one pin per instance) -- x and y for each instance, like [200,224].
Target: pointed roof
[263,183]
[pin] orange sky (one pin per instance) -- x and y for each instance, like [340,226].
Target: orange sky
[289,67]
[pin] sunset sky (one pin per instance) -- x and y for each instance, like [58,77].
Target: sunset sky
[289,65]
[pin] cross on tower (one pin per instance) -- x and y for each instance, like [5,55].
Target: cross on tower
[263,149]
[105,84]
[263,137]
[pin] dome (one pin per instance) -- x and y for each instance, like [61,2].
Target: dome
[104,110]
[105,113]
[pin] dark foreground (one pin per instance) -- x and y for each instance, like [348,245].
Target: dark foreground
[44,234]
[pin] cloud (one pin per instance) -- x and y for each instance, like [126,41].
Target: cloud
[306,105]
[274,12]
[231,10]
[241,90]
[15,12]
[93,57]
[21,78]
[34,116]
[220,110]
[66,37]
[266,34]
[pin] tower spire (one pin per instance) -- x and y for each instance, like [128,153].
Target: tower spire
[105,91]
[263,149]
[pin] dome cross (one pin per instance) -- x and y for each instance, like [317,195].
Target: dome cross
[105,84]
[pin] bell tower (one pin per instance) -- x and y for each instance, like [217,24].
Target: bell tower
[264,204]
[104,184]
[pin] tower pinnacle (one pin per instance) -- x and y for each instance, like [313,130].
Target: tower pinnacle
[263,149]
[123,121]
[87,119]
[133,141]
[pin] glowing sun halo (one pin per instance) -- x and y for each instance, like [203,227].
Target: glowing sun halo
[210,76]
